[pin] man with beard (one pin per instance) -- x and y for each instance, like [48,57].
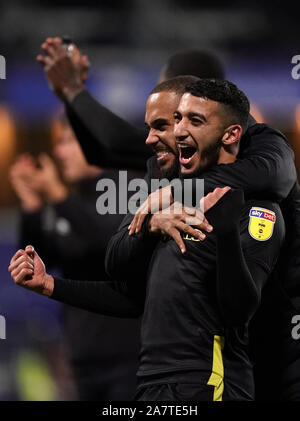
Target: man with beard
[199,304]
[90,295]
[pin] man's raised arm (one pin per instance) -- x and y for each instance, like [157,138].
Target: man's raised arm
[107,298]
[106,139]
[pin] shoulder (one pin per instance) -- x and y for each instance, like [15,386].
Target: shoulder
[262,129]
[260,135]
[270,204]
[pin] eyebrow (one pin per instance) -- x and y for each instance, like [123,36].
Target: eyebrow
[193,114]
[157,122]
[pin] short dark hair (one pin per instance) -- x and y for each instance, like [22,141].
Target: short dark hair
[227,93]
[176,84]
[200,63]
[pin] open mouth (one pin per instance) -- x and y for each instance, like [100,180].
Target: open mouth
[186,153]
[161,154]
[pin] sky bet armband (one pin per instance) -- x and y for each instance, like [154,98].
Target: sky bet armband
[261,223]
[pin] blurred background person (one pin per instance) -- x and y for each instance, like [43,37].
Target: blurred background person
[67,230]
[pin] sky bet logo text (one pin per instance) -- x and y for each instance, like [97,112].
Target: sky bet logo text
[262,214]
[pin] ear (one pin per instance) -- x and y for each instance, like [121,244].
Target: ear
[232,134]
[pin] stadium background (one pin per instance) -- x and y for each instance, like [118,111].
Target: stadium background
[127,43]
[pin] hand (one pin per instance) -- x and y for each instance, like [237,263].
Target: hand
[21,173]
[162,198]
[156,201]
[47,180]
[212,198]
[179,220]
[28,270]
[66,73]
[31,182]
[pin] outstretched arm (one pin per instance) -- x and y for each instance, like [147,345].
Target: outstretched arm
[106,139]
[122,300]
[106,298]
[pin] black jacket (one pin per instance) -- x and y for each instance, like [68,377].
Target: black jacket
[265,169]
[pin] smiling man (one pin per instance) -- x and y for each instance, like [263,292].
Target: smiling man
[198,304]
[206,130]
[159,120]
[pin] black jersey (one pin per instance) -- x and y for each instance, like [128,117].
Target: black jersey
[184,332]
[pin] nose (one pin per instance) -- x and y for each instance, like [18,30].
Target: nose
[152,138]
[180,131]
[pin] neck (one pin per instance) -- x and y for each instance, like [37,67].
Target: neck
[227,156]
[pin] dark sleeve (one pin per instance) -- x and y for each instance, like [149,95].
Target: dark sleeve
[108,299]
[128,256]
[244,259]
[106,139]
[264,168]
[265,165]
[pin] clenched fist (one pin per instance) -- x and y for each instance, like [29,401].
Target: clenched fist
[28,270]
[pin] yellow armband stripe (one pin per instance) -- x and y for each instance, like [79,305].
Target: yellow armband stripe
[217,376]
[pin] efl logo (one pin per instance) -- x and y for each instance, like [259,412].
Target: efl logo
[2,68]
[2,327]
[296,69]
